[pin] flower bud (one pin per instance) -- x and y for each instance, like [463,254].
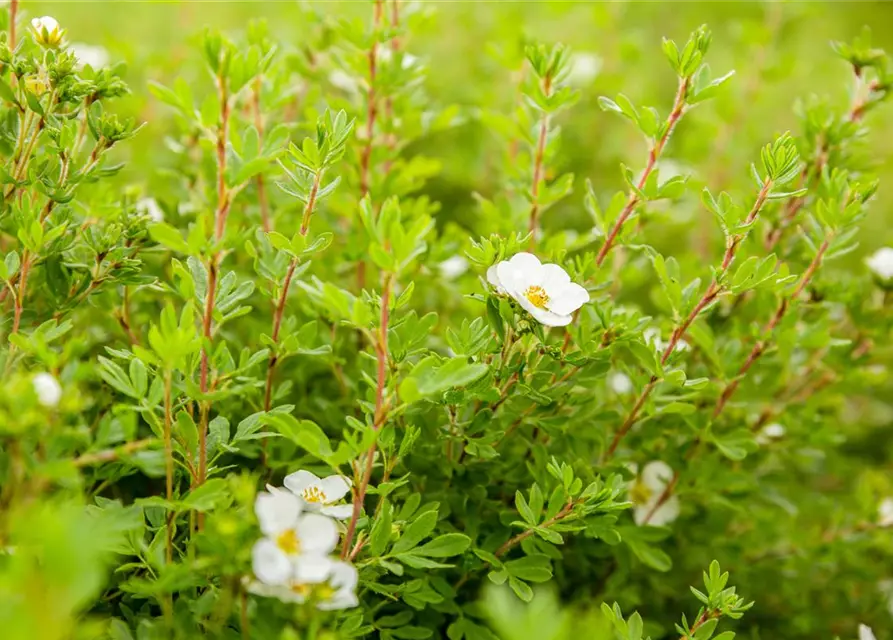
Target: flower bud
[47,31]
[48,389]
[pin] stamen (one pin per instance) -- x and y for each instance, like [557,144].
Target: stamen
[313,494]
[537,296]
[288,542]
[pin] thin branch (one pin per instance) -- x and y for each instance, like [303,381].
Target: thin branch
[760,347]
[518,539]
[653,156]
[266,223]
[109,455]
[538,168]
[682,328]
[381,352]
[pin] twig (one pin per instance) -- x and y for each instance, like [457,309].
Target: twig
[653,156]
[538,165]
[679,332]
[518,539]
[381,352]
[108,455]
[760,347]
[279,310]
[220,216]
[259,126]
[371,114]
[13,9]
[168,463]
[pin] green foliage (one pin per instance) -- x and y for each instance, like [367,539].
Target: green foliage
[277,361]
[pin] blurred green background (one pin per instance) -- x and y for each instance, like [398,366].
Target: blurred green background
[780,52]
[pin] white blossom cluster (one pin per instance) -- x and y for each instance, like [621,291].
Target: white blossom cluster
[293,560]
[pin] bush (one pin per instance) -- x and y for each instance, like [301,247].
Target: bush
[298,388]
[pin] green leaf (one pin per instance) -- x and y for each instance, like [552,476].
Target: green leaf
[650,555]
[521,589]
[420,562]
[381,530]
[532,568]
[168,236]
[449,544]
[207,496]
[417,531]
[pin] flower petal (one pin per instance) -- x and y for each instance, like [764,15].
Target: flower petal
[270,564]
[299,480]
[554,277]
[543,316]
[274,591]
[343,575]
[277,511]
[665,513]
[312,569]
[865,633]
[567,299]
[317,533]
[337,511]
[525,261]
[341,600]
[335,487]
[656,475]
[493,279]
[522,271]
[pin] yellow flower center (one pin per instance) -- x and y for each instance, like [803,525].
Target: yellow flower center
[288,542]
[537,296]
[313,494]
[325,591]
[300,589]
[639,493]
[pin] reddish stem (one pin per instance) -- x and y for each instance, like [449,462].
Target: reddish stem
[261,183]
[760,347]
[389,101]
[381,352]
[518,539]
[223,196]
[679,332]
[279,311]
[108,455]
[13,10]
[538,165]
[371,114]
[653,156]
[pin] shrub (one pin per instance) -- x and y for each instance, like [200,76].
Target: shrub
[286,394]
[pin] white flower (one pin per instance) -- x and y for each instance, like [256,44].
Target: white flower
[545,291]
[295,544]
[452,268]
[332,587]
[48,389]
[386,54]
[885,513]
[320,494]
[652,337]
[647,489]
[886,589]
[47,31]
[865,633]
[344,81]
[149,207]
[88,54]
[584,68]
[339,591]
[881,262]
[620,383]
[770,432]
